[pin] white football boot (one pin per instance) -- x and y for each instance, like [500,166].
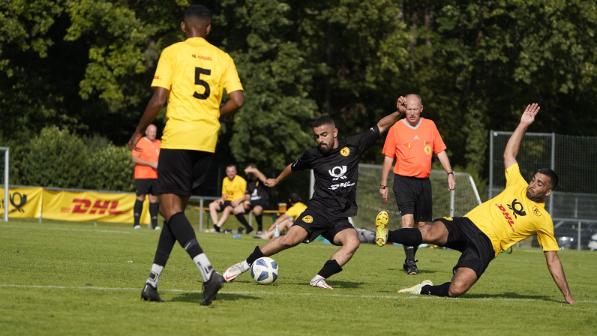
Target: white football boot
[416,289]
[319,281]
[235,270]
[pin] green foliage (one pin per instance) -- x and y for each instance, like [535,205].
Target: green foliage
[86,65]
[58,158]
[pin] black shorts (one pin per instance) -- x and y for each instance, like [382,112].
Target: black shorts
[476,248]
[413,196]
[146,186]
[224,205]
[181,171]
[264,204]
[318,222]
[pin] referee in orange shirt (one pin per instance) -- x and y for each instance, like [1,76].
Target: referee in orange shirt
[145,156]
[191,76]
[412,141]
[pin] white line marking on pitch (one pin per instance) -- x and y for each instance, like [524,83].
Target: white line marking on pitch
[272,293]
[69,229]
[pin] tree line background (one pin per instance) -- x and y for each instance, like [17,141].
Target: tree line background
[75,75]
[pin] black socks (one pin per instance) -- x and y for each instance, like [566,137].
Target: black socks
[259,219]
[406,236]
[440,290]
[256,254]
[241,218]
[330,268]
[153,213]
[165,245]
[184,234]
[138,208]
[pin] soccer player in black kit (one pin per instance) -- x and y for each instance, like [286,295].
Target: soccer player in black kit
[335,166]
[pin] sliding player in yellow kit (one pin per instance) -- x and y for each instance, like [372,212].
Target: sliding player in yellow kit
[515,214]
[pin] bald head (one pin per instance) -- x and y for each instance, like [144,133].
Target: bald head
[151,132]
[414,107]
[414,98]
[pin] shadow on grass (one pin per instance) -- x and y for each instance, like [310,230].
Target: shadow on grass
[333,283]
[421,271]
[196,297]
[509,295]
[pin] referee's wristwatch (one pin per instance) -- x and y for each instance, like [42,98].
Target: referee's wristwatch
[381,186]
[450,173]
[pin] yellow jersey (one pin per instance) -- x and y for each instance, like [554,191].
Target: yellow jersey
[511,217]
[234,189]
[296,210]
[196,73]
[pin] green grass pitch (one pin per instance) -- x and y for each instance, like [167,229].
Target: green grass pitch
[85,279]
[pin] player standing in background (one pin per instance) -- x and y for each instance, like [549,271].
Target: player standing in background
[335,164]
[257,195]
[145,156]
[515,214]
[191,76]
[412,141]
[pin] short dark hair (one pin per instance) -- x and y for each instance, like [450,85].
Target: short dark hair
[553,177]
[230,165]
[323,120]
[197,11]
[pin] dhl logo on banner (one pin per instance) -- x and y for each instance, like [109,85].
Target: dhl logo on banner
[36,202]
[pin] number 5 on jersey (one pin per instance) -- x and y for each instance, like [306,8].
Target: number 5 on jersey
[198,81]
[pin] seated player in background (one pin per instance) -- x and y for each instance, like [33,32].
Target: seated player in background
[285,221]
[517,213]
[233,195]
[256,196]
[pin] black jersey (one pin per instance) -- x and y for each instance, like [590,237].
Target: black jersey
[258,192]
[336,173]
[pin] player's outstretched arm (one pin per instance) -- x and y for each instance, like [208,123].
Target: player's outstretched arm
[386,122]
[236,99]
[158,99]
[283,174]
[557,273]
[513,145]
[257,172]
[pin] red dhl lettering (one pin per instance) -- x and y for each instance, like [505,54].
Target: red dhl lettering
[506,216]
[100,207]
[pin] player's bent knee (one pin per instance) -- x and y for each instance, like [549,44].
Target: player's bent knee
[458,288]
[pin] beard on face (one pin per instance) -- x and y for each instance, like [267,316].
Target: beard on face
[323,147]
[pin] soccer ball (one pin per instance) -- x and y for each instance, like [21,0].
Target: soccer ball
[264,270]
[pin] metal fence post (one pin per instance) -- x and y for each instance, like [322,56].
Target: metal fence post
[578,245]
[553,167]
[6,183]
[490,191]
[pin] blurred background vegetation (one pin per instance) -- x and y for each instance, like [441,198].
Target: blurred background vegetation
[75,75]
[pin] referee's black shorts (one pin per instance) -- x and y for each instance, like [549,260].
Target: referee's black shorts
[476,248]
[413,196]
[180,171]
[320,222]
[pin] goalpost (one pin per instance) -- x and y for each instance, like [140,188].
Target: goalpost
[445,203]
[5,152]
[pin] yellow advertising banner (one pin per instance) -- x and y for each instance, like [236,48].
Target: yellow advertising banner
[23,202]
[90,206]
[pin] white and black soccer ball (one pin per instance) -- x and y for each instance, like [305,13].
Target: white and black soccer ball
[264,270]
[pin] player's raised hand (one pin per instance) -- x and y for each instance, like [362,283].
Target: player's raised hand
[134,139]
[401,104]
[528,116]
